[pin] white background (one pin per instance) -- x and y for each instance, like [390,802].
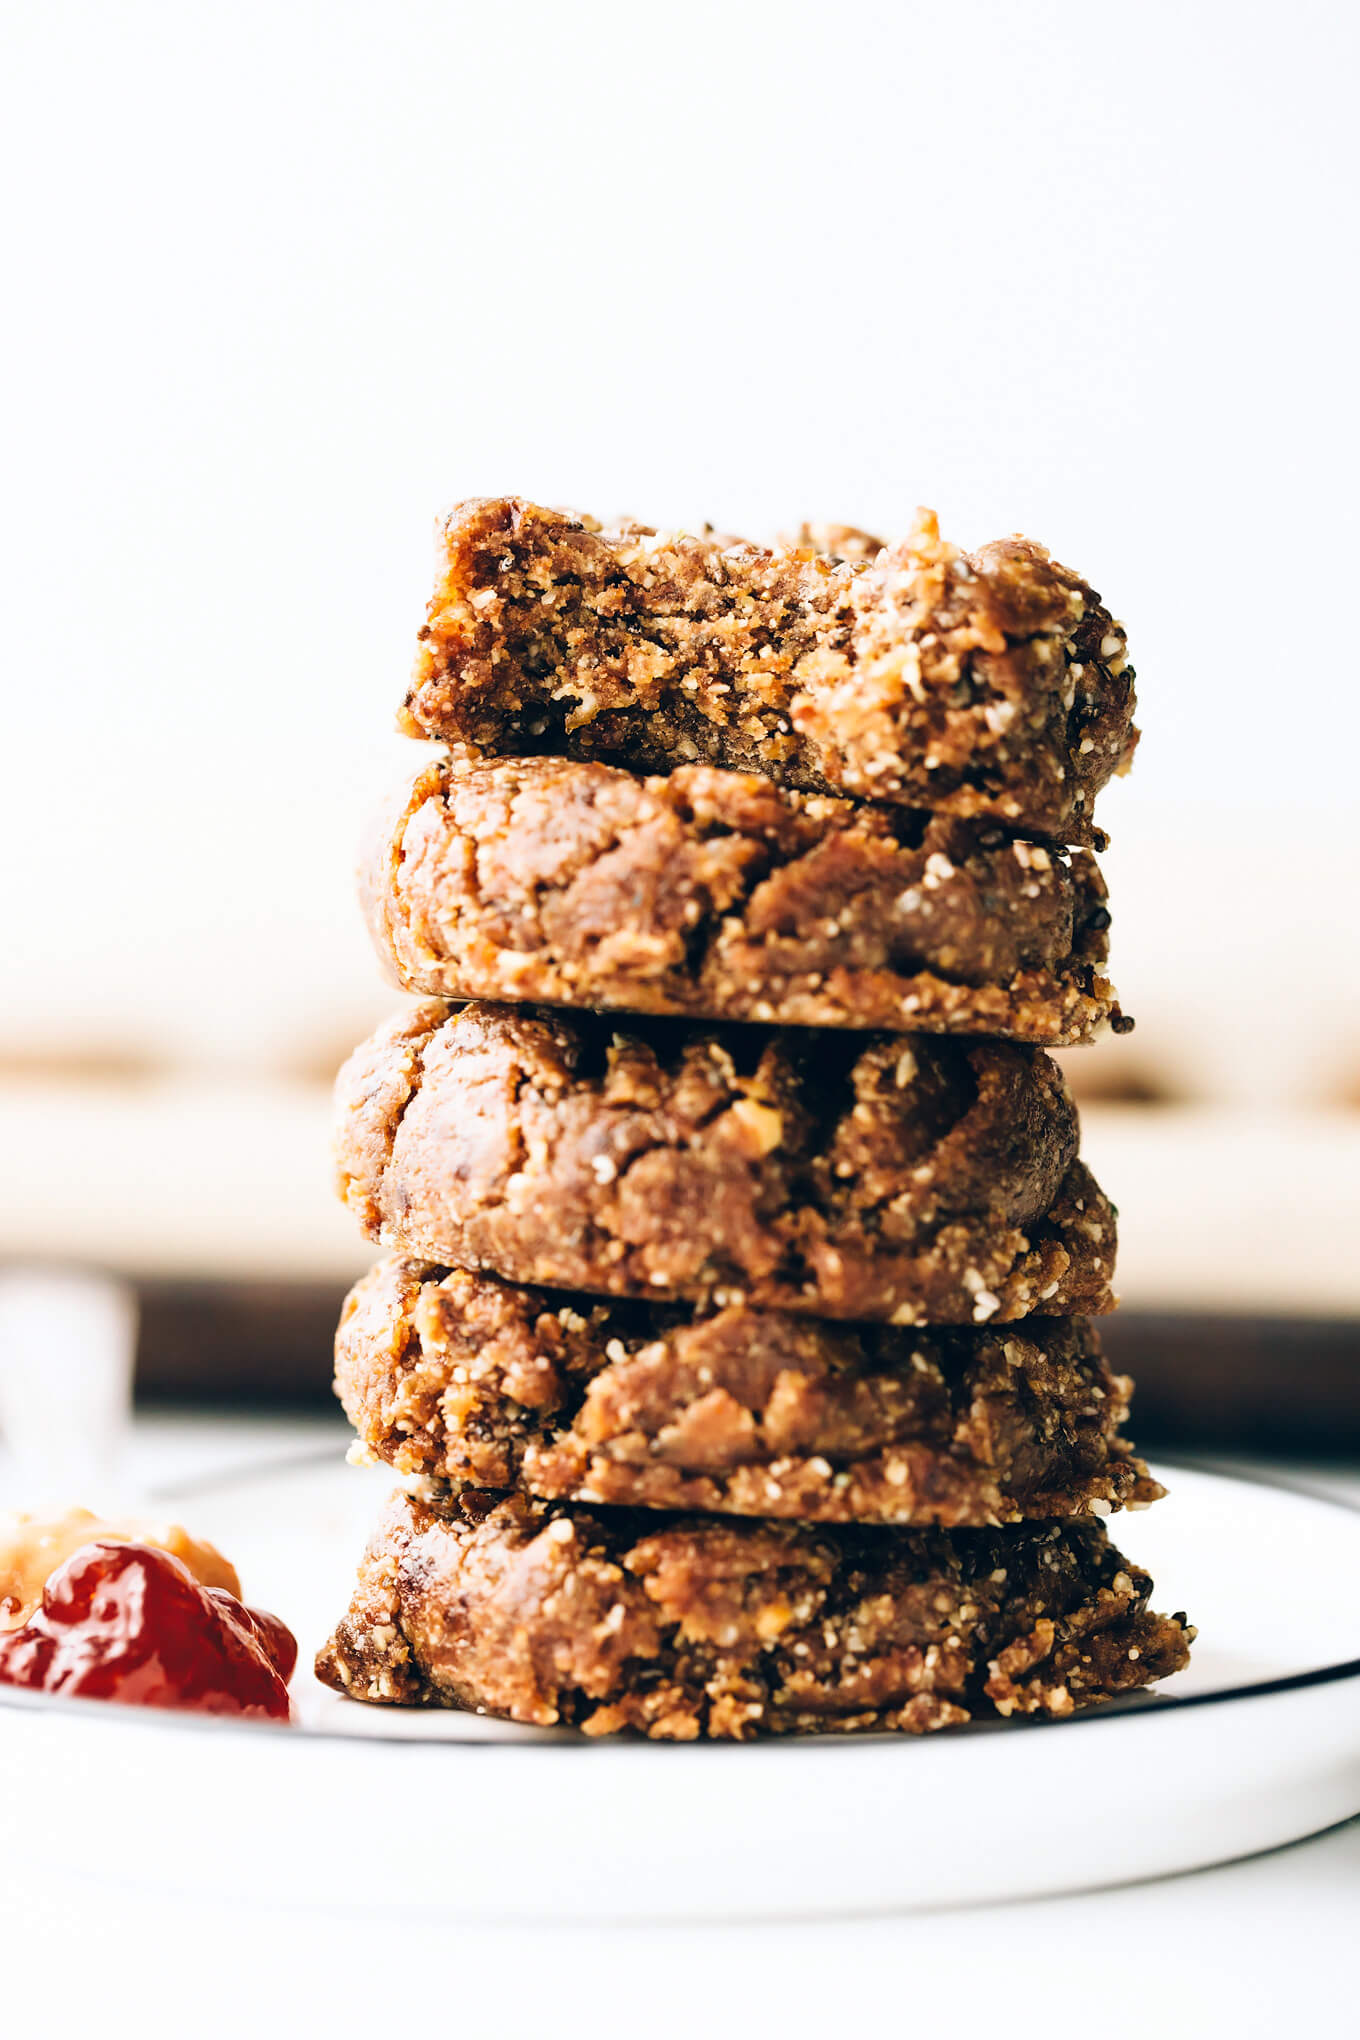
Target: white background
[284,279]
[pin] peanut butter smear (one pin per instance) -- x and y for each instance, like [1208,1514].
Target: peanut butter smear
[32,1547]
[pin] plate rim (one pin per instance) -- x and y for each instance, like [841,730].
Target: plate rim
[1149,1706]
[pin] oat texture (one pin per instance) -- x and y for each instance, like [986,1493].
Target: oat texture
[685,1626]
[465,1380]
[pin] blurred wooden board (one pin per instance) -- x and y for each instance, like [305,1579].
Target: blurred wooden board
[1230,1210]
[197,1177]
[1237,1263]
[1221,1210]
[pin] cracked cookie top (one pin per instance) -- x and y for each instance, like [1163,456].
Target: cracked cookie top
[917,1180]
[722,895]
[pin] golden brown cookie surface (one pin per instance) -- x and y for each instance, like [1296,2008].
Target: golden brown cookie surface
[686,1626]
[721,895]
[918,1181]
[470,1381]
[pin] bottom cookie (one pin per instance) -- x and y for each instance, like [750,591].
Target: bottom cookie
[682,1626]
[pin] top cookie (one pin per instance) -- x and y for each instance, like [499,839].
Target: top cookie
[992,683]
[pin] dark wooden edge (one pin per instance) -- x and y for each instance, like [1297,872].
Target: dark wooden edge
[1230,1382]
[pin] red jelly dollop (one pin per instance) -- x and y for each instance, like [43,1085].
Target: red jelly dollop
[128,1622]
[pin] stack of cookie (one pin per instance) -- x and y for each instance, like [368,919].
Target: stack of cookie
[735,1344]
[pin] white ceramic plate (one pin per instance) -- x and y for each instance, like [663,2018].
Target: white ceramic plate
[1257,1744]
